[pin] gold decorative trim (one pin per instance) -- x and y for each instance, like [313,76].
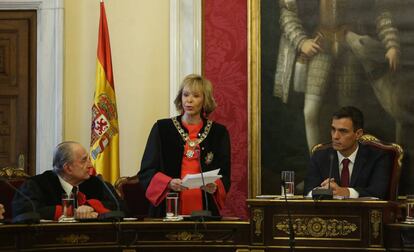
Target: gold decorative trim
[254,99]
[184,236]
[186,138]
[73,239]
[318,227]
[376,219]
[258,221]
[371,138]
[11,172]
[401,153]
[316,147]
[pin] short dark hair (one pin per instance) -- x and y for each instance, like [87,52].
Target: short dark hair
[63,154]
[353,113]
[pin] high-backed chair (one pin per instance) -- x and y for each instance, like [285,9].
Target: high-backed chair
[133,195]
[396,154]
[16,177]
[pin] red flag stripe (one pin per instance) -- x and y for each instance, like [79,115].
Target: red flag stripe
[104,47]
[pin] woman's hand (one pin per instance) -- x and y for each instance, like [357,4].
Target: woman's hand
[175,185]
[210,188]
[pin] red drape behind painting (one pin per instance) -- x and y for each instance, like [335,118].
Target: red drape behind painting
[225,64]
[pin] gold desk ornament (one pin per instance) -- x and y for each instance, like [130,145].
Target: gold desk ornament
[375,219]
[73,239]
[318,227]
[258,219]
[185,236]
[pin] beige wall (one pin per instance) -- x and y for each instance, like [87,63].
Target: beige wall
[139,32]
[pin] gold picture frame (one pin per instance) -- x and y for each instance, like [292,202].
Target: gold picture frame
[259,166]
[254,69]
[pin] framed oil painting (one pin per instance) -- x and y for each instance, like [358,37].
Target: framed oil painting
[281,132]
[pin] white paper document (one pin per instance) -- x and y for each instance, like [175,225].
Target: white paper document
[195,181]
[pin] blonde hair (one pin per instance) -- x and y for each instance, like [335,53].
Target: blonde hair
[197,82]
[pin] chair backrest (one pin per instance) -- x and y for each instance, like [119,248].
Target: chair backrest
[395,151]
[16,177]
[133,194]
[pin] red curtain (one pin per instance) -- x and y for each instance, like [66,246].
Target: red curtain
[225,64]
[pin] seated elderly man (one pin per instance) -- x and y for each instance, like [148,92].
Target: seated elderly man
[70,174]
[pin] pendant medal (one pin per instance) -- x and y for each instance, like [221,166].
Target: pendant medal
[189,153]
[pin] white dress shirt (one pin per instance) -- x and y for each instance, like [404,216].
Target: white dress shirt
[66,186]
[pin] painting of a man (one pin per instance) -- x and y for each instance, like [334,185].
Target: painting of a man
[319,32]
[319,55]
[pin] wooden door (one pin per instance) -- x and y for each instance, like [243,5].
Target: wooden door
[18,89]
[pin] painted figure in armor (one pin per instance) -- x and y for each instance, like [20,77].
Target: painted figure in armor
[318,48]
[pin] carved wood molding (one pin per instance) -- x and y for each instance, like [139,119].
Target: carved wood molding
[73,239]
[318,227]
[185,236]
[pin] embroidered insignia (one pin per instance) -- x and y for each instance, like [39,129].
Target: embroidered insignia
[209,158]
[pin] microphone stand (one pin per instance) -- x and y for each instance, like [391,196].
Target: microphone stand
[290,224]
[205,213]
[322,193]
[28,217]
[111,215]
[116,215]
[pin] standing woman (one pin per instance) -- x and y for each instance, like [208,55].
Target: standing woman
[180,145]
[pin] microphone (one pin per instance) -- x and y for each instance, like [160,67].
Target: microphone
[322,193]
[291,230]
[201,214]
[111,215]
[28,217]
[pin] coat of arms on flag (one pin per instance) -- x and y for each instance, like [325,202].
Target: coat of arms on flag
[103,127]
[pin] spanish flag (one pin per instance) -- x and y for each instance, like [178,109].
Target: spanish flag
[104,149]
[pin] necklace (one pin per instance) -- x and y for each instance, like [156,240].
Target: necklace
[192,144]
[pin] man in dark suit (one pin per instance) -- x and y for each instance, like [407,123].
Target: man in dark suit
[71,168]
[357,170]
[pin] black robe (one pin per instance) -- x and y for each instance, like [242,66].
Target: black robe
[46,192]
[164,153]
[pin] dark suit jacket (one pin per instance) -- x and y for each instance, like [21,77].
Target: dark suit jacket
[370,175]
[46,192]
[164,153]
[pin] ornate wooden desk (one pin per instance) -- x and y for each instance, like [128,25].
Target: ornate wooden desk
[335,225]
[400,237]
[127,236]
